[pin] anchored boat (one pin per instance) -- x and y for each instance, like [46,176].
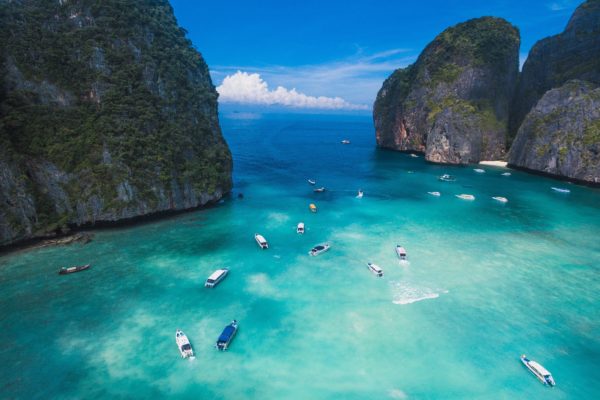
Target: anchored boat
[374,268]
[540,372]
[447,178]
[183,344]
[319,249]
[216,277]
[465,196]
[262,242]
[436,194]
[500,199]
[300,228]
[312,208]
[401,252]
[70,270]
[227,335]
[345,141]
[359,194]
[319,190]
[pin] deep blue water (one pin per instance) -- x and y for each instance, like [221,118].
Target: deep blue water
[485,282]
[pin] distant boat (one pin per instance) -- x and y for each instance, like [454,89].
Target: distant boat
[401,252]
[374,268]
[312,182]
[300,227]
[561,190]
[319,190]
[345,141]
[360,194]
[262,242]
[216,277]
[71,270]
[500,199]
[413,155]
[319,249]
[479,170]
[227,336]
[183,344]
[437,194]
[465,196]
[506,174]
[540,372]
[447,178]
[312,208]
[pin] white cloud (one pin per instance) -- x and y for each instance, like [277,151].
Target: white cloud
[355,79]
[250,88]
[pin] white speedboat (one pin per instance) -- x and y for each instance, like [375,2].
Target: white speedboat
[374,268]
[437,194]
[300,227]
[319,190]
[262,242]
[500,199]
[479,170]
[506,174]
[312,181]
[216,277]
[319,249]
[401,252]
[360,194]
[183,343]
[540,372]
[465,196]
[413,155]
[345,141]
[447,178]
[561,190]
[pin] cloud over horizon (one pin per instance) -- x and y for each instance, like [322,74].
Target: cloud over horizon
[250,88]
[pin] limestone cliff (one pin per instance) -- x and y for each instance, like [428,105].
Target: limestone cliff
[453,102]
[573,54]
[561,134]
[107,112]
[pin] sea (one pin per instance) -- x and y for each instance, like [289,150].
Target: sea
[484,283]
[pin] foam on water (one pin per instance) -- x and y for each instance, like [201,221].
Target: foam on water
[405,293]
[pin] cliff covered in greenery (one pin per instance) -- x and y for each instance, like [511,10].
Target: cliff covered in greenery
[107,112]
[453,102]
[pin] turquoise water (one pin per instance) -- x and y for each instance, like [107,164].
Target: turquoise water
[485,283]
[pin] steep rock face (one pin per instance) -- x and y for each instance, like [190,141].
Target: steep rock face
[573,54]
[453,102]
[107,112]
[561,134]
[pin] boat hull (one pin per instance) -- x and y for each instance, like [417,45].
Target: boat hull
[72,270]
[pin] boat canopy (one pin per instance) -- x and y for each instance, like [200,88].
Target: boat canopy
[227,333]
[215,275]
[539,368]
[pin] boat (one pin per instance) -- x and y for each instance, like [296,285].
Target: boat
[465,196]
[506,174]
[447,178]
[374,268]
[540,372]
[345,141]
[262,242]
[319,190]
[216,277]
[479,170]
[500,199]
[227,335]
[300,227]
[70,270]
[401,252]
[312,208]
[360,194]
[561,190]
[312,182]
[183,344]
[319,249]
[413,155]
[437,194]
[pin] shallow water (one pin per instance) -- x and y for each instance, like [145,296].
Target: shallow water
[485,282]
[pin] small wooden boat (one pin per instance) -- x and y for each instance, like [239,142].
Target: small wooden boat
[71,270]
[312,208]
[479,170]
[320,190]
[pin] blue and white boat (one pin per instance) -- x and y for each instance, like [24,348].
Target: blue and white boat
[540,372]
[227,335]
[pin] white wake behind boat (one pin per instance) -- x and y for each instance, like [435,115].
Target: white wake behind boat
[300,228]
[506,174]
[183,344]
[437,194]
[540,372]
[561,190]
[312,181]
[262,242]
[500,199]
[465,196]
[401,252]
[413,155]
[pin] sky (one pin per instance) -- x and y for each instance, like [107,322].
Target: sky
[335,54]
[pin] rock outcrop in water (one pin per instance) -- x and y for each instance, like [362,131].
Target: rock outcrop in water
[453,102]
[561,134]
[107,113]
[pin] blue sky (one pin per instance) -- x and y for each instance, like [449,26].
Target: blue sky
[335,53]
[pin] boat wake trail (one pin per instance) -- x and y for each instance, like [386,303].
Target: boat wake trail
[404,293]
